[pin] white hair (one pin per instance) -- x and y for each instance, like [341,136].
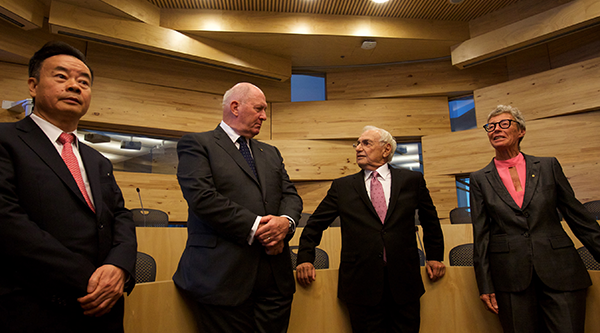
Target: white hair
[384,138]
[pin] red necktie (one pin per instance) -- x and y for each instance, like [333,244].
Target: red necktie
[377,197]
[71,161]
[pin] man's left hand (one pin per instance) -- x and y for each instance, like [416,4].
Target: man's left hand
[435,269]
[104,288]
[272,230]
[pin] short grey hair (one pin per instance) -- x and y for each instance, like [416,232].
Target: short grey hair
[500,109]
[237,92]
[384,138]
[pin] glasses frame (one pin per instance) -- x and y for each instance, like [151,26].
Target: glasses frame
[365,143]
[490,127]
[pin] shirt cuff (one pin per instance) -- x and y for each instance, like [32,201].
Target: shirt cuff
[253,230]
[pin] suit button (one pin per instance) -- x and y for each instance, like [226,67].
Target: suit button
[101,226]
[526,234]
[526,214]
[380,255]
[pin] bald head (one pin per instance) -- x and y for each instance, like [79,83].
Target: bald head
[244,109]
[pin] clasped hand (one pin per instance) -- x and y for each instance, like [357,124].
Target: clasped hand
[105,287]
[271,232]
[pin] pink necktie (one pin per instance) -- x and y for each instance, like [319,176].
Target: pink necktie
[377,197]
[71,161]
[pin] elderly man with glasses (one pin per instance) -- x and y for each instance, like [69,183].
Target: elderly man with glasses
[380,277]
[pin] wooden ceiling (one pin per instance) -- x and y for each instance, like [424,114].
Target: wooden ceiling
[411,9]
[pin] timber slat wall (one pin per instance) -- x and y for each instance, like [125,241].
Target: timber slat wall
[552,84]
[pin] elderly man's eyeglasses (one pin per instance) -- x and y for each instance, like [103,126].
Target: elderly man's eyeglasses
[365,143]
[504,124]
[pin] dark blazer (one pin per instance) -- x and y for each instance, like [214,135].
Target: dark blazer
[361,272]
[50,239]
[510,242]
[224,198]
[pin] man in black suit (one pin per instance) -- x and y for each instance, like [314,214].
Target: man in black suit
[380,279]
[243,210]
[68,243]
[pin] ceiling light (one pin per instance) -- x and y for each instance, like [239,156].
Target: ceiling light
[380,1]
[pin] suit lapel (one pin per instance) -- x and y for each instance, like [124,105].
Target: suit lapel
[223,140]
[37,140]
[491,173]
[93,175]
[396,175]
[533,167]
[359,185]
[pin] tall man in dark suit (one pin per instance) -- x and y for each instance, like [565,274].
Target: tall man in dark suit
[379,278]
[67,241]
[242,211]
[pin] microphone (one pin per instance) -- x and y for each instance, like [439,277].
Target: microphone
[141,204]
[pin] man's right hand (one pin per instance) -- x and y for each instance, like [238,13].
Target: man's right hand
[305,274]
[489,300]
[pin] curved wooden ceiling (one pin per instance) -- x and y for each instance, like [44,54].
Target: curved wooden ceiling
[411,9]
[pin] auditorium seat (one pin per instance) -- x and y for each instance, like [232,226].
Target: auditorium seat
[321,258]
[145,268]
[462,255]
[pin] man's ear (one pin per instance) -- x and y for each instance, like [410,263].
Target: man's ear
[32,83]
[387,150]
[234,108]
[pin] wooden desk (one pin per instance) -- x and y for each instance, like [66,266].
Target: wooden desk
[450,305]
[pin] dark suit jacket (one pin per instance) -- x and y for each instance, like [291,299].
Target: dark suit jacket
[361,272]
[510,242]
[50,239]
[224,198]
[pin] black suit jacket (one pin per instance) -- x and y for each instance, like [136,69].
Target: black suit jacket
[511,241]
[361,272]
[50,239]
[224,198]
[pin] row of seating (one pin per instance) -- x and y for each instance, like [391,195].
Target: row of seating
[145,265]
[462,255]
[462,215]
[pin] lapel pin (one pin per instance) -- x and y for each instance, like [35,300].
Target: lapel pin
[532,176]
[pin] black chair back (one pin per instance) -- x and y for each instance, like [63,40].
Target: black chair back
[462,255]
[150,217]
[460,215]
[321,258]
[145,268]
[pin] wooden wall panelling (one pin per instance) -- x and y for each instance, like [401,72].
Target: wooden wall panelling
[127,65]
[527,62]
[575,48]
[29,13]
[157,191]
[569,89]
[567,18]
[152,109]
[412,79]
[90,24]
[312,193]
[19,45]
[13,87]
[511,14]
[442,189]
[408,117]
[456,152]
[317,159]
